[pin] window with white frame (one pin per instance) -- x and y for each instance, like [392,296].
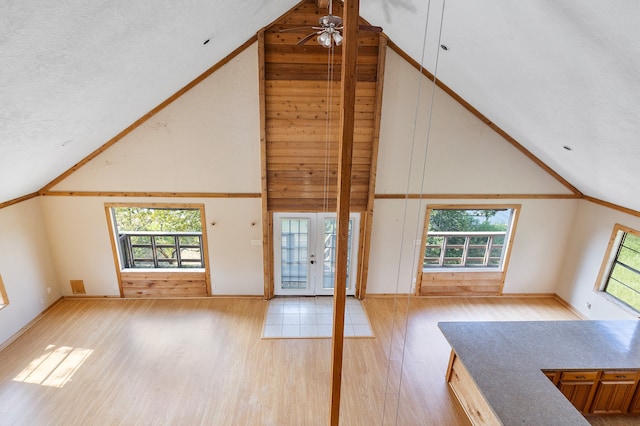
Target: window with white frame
[621,270]
[467,237]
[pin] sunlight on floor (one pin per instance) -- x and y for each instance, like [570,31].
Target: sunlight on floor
[309,317]
[55,367]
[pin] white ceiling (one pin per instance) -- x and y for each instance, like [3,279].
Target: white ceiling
[551,73]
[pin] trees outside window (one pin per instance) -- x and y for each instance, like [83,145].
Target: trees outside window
[620,272]
[467,237]
[150,237]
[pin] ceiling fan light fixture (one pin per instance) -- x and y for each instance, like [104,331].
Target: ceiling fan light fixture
[337,38]
[324,39]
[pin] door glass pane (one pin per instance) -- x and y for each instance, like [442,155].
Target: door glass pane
[294,253]
[329,253]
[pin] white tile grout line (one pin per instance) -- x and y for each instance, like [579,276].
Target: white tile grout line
[312,318]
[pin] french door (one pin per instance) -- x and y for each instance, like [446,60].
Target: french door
[305,253]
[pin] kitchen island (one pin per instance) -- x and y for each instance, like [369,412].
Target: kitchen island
[502,364]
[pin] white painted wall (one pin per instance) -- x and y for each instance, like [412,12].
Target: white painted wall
[78,231]
[583,258]
[25,266]
[464,156]
[536,258]
[208,140]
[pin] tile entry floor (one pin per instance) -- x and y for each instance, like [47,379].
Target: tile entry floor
[308,317]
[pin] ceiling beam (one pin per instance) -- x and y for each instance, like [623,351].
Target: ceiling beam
[351,15]
[323,4]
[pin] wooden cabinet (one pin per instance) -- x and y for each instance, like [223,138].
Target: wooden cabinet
[614,392]
[473,402]
[579,388]
[599,391]
[634,408]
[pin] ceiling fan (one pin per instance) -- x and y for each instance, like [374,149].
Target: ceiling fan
[328,31]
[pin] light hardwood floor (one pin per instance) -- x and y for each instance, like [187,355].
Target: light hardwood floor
[202,361]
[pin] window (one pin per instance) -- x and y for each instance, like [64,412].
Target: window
[622,278]
[467,238]
[150,237]
[4,300]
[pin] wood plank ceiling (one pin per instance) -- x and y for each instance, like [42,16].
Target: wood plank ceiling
[301,113]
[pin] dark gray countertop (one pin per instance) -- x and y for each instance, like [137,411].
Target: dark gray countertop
[506,358]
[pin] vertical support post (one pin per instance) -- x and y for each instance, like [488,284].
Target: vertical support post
[267,248]
[345,151]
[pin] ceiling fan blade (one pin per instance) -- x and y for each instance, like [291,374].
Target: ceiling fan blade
[372,28]
[307,38]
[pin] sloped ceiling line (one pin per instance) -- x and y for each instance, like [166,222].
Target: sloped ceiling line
[46,188]
[148,115]
[484,119]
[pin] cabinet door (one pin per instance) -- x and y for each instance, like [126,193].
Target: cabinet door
[614,392]
[634,408]
[578,387]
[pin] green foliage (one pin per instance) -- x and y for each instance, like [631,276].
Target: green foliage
[164,220]
[464,220]
[624,280]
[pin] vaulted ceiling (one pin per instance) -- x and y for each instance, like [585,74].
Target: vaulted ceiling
[552,74]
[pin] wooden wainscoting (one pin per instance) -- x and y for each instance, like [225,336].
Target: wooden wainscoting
[300,99]
[461,283]
[164,284]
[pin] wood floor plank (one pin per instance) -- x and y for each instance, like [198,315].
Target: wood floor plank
[201,361]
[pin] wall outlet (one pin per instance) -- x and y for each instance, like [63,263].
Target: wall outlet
[48,290]
[256,242]
[588,305]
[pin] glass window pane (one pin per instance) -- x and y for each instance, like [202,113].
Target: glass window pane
[626,276]
[189,241]
[165,240]
[469,233]
[629,257]
[138,239]
[623,281]
[624,294]
[294,256]
[329,254]
[142,253]
[142,228]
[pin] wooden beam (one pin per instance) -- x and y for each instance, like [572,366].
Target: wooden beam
[612,206]
[363,271]
[149,194]
[323,4]
[351,15]
[266,233]
[18,200]
[477,196]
